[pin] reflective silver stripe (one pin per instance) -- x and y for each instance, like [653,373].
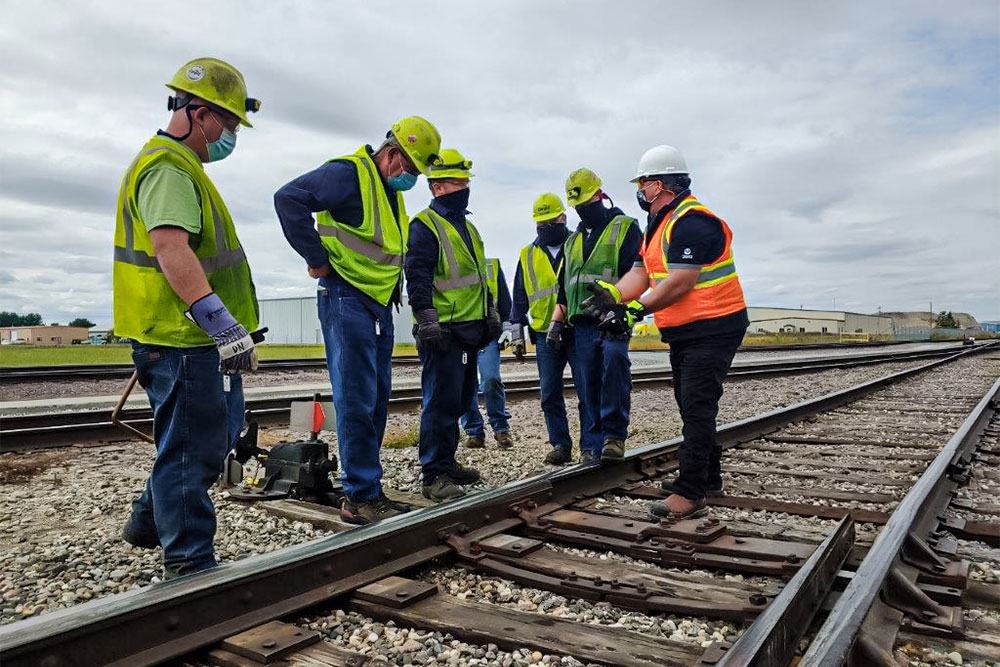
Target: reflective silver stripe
[445,284]
[373,249]
[223,257]
[456,281]
[541,294]
[715,274]
[605,275]
[369,249]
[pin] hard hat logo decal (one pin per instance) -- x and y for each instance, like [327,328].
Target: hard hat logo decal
[411,139]
[195,73]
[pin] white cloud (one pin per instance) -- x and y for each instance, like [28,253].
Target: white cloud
[852,146]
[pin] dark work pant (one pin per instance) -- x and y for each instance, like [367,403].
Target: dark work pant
[699,368]
[449,384]
[195,422]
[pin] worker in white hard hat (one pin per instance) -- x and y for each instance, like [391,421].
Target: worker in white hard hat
[688,280]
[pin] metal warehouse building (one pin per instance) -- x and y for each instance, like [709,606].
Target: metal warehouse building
[295,320]
[791,320]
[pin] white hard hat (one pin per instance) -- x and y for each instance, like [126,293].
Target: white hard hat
[660,161]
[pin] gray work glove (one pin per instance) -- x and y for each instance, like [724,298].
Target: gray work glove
[237,352]
[554,338]
[428,332]
[517,340]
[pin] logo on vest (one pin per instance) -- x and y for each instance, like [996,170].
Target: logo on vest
[195,73]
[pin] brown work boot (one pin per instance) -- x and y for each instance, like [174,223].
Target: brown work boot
[368,511]
[716,491]
[559,456]
[442,488]
[475,442]
[504,439]
[678,507]
[614,450]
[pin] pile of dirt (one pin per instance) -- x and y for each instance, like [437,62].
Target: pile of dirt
[925,318]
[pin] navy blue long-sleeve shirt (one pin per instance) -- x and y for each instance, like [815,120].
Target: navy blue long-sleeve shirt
[421,260]
[628,255]
[519,307]
[503,296]
[332,187]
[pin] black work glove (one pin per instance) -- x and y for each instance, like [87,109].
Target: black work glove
[494,327]
[619,318]
[554,338]
[428,332]
[605,295]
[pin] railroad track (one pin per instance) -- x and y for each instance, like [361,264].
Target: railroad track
[877,558]
[20,432]
[21,374]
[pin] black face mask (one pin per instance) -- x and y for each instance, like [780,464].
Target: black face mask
[640,196]
[456,201]
[551,233]
[592,214]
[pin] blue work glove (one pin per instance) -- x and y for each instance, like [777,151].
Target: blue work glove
[619,318]
[428,333]
[236,347]
[554,338]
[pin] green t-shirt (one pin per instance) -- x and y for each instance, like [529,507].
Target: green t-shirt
[168,197]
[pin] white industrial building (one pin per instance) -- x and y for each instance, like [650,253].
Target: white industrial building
[295,320]
[791,320]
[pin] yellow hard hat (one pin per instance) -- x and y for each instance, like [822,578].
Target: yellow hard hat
[547,207]
[419,139]
[453,165]
[581,185]
[216,82]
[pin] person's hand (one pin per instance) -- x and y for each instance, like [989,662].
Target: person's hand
[604,296]
[320,271]
[619,319]
[429,334]
[554,338]
[236,348]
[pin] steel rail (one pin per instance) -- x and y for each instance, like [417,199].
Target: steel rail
[113,371]
[166,620]
[840,639]
[55,429]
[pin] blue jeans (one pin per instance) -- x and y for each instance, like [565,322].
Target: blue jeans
[358,336]
[605,385]
[195,423]
[551,366]
[491,386]
[449,383]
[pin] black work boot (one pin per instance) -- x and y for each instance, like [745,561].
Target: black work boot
[136,538]
[504,439]
[442,488]
[463,475]
[368,511]
[559,456]
[475,442]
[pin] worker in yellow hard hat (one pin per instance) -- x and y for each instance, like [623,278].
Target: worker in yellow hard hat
[536,287]
[184,296]
[605,246]
[455,314]
[355,247]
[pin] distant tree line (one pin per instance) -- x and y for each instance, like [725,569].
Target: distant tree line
[9,319]
[945,320]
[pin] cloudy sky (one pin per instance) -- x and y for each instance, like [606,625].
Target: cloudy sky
[854,147]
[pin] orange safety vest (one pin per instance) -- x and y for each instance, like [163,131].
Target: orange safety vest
[717,292]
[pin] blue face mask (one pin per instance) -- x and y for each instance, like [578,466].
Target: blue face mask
[221,147]
[404,181]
